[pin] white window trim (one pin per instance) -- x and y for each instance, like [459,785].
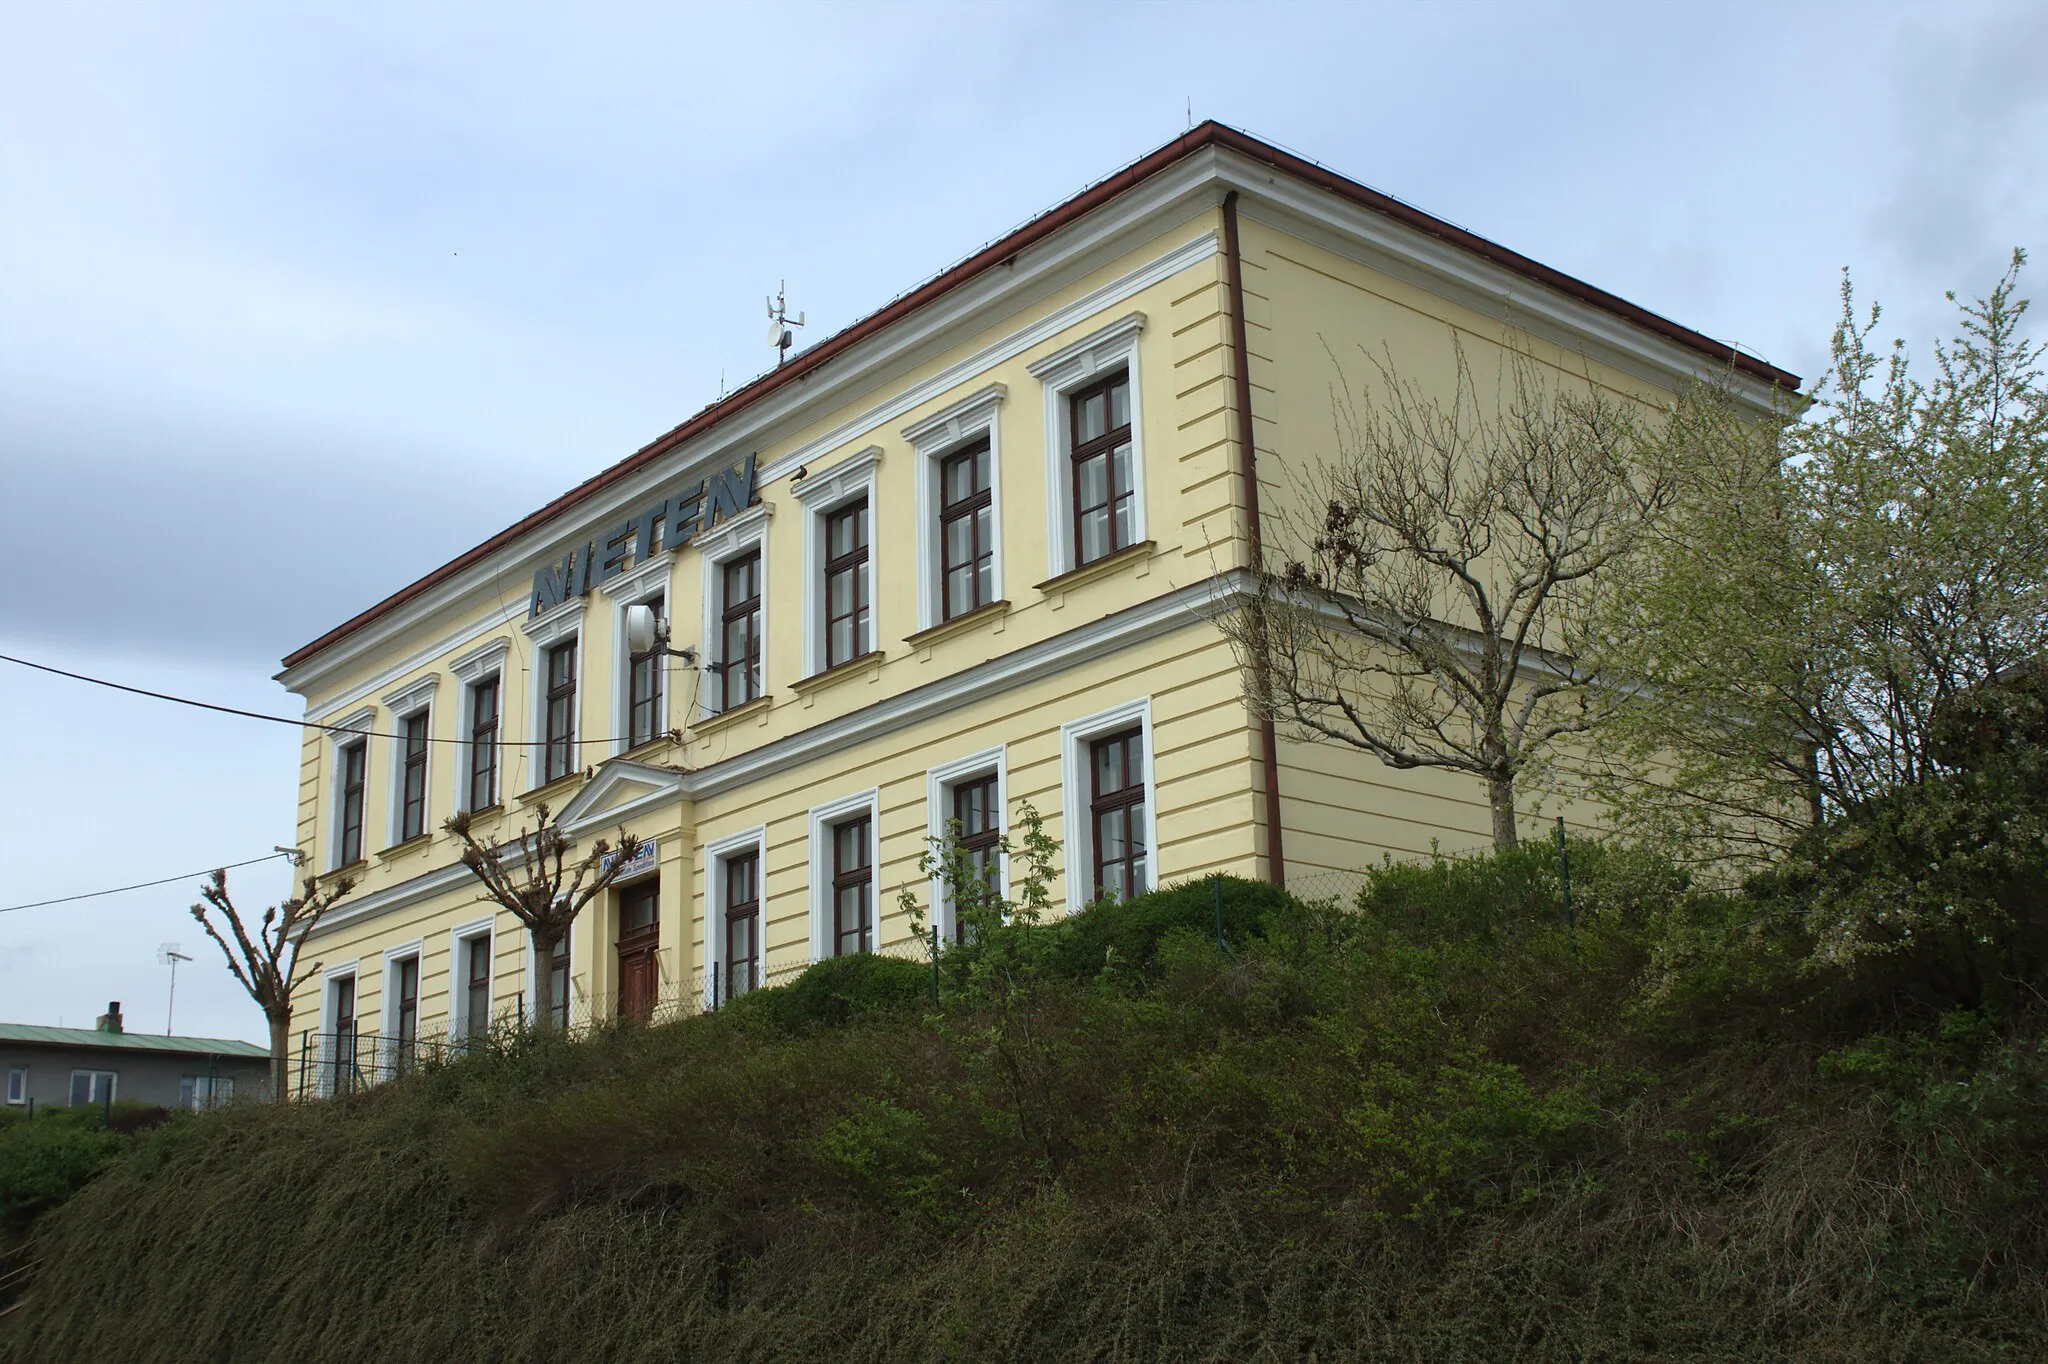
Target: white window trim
[1060,373]
[388,1007]
[479,665]
[113,1083]
[484,930]
[352,730]
[731,539]
[402,705]
[323,1076]
[821,495]
[716,854]
[939,783]
[823,817]
[563,623]
[1076,789]
[17,1084]
[932,440]
[636,588]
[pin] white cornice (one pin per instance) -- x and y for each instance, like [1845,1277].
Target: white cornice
[1079,359]
[841,479]
[356,725]
[664,785]
[481,662]
[413,695]
[727,537]
[556,625]
[642,579]
[950,423]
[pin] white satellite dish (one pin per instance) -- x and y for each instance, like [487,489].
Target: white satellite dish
[643,628]
[775,331]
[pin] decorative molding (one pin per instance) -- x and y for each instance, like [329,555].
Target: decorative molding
[952,424]
[1070,367]
[580,816]
[839,483]
[1075,794]
[484,930]
[822,818]
[357,726]
[559,624]
[412,696]
[833,676]
[823,494]
[482,661]
[1098,350]
[736,537]
[938,786]
[641,581]
[932,441]
[959,625]
[1107,566]
[726,719]
[729,537]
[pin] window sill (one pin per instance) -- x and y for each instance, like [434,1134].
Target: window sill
[959,625]
[559,786]
[868,664]
[405,849]
[646,748]
[353,869]
[757,708]
[1140,554]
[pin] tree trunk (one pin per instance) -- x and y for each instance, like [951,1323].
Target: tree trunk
[1500,794]
[543,982]
[280,1055]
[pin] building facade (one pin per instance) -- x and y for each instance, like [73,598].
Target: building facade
[88,1067]
[965,554]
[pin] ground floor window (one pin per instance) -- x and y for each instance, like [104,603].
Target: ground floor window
[476,1017]
[558,971]
[17,1084]
[205,1091]
[742,923]
[92,1087]
[853,887]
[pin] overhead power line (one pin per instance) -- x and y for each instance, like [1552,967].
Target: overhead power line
[281,719]
[144,885]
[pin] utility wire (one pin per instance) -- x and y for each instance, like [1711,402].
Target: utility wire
[144,885]
[281,719]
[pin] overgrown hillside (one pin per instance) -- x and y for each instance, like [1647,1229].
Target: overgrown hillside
[1436,1124]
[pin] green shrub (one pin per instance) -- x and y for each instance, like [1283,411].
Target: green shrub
[45,1161]
[834,991]
[1124,935]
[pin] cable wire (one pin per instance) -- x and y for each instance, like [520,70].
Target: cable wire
[144,885]
[286,719]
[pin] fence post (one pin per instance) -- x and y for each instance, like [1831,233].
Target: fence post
[714,987]
[935,962]
[305,1038]
[522,1010]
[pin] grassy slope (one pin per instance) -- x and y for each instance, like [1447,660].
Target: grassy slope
[1438,1129]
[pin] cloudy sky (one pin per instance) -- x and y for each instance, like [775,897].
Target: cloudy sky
[298,302]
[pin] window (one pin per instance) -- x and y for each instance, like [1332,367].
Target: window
[1104,483]
[742,923]
[17,1084]
[739,638]
[405,982]
[558,971]
[966,534]
[354,763]
[852,887]
[342,993]
[205,1091]
[476,977]
[1117,813]
[643,690]
[92,1087]
[559,732]
[412,820]
[846,584]
[976,819]
[483,744]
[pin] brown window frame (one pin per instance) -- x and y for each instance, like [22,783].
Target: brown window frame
[407,1016]
[855,562]
[739,679]
[412,815]
[477,1011]
[743,909]
[982,844]
[355,772]
[1119,802]
[1104,445]
[860,876]
[483,741]
[644,688]
[559,753]
[558,971]
[977,456]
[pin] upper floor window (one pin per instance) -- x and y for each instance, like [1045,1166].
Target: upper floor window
[739,643]
[354,767]
[966,531]
[847,627]
[484,702]
[1104,479]
[643,691]
[559,720]
[412,819]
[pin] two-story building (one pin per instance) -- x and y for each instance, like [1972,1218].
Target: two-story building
[963,554]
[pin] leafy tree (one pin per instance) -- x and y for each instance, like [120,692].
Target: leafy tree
[1432,605]
[267,963]
[534,877]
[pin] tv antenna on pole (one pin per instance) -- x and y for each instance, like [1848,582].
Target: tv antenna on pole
[779,323]
[167,954]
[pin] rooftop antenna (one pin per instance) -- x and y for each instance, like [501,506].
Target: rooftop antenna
[779,323]
[167,954]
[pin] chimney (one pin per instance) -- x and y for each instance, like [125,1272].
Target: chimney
[110,1021]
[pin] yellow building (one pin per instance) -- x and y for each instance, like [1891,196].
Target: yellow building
[960,555]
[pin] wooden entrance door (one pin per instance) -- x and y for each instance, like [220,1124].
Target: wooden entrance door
[639,939]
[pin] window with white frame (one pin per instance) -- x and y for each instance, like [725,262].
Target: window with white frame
[205,1091]
[1095,449]
[411,751]
[965,801]
[402,1000]
[17,1084]
[471,959]
[839,561]
[735,641]
[959,507]
[640,679]
[844,853]
[553,714]
[1109,797]
[93,1087]
[349,793]
[480,723]
[340,1029]
[733,913]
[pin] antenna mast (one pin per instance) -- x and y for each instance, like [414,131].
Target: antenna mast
[779,323]
[168,955]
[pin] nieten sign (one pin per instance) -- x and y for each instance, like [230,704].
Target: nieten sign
[674,521]
[643,859]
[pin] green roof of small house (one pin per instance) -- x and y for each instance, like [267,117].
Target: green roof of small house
[36,1033]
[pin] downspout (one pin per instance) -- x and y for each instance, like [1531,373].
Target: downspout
[1276,854]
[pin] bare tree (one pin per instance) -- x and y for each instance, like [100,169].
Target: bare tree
[1432,600]
[267,965]
[533,877]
